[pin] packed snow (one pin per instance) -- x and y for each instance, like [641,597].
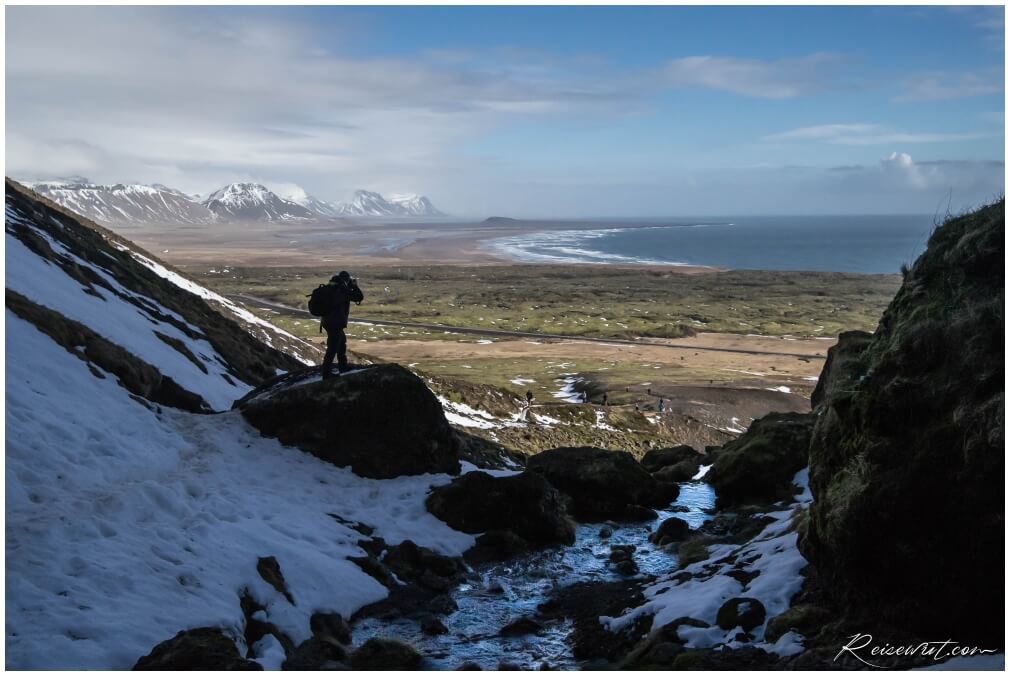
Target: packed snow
[126,525]
[568,392]
[235,309]
[132,325]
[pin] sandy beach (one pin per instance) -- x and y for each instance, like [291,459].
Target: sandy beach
[365,243]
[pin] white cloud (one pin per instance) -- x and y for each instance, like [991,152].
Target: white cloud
[197,98]
[783,79]
[866,135]
[940,85]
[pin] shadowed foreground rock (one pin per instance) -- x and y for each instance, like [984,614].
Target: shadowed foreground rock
[759,465]
[907,457]
[378,654]
[381,420]
[524,504]
[600,483]
[203,649]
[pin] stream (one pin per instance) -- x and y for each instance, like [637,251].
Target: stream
[500,593]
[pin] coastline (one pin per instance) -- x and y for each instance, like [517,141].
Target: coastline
[862,245]
[377,245]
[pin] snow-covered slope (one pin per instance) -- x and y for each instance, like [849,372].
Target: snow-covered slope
[253,202]
[414,205]
[312,203]
[126,525]
[129,520]
[123,204]
[372,204]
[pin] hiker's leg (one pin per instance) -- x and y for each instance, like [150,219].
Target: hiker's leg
[341,348]
[331,350]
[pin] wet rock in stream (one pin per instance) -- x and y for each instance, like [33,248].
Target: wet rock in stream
[525,504]
[584,603]
[602,484]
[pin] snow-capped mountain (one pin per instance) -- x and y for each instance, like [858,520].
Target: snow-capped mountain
[312,203]
[253,202]
[367,203]
[124,204]
[156,204]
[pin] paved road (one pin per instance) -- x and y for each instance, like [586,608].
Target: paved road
[270,305]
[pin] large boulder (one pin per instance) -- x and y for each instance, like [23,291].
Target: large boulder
[202,649]
[600,483]
[760,464]
[525,504]
[381,420]
[907,456]
[658,458]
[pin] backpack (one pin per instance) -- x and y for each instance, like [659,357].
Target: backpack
[321,301]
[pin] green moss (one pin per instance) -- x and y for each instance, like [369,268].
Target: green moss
[692,551]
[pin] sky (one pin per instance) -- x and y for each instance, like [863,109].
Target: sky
[559,112]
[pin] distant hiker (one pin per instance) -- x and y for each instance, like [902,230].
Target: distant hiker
[604,398]
[332,302]
[660,405]
[529,397]
[585,397]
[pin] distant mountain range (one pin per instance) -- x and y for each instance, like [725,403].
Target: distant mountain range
[136,204]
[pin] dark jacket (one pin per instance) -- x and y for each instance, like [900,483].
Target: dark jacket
[343,296]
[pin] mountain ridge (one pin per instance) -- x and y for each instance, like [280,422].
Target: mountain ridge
[133,204]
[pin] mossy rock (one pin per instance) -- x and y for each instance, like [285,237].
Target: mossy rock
[759,465]
[907,458]
[201,649]
[805,618]
[692,551]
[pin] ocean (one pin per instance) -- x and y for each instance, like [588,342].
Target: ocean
[861,244]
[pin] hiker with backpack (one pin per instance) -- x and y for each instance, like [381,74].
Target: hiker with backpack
[332,303]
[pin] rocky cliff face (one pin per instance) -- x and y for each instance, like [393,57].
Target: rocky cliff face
[907,459]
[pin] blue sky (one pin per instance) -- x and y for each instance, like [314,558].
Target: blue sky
[525,111]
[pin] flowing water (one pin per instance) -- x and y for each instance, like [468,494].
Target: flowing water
[498,594]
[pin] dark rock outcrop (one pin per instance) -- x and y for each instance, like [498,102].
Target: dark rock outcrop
[659,458]
[525,504]
[314,654]
[378,654]
[907,456]
[759,465]
[423,566]
[497,545]
[202,649]
[673,529]
[270,570]
[600,483]
[743,612]
[382,420]
[331,627]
